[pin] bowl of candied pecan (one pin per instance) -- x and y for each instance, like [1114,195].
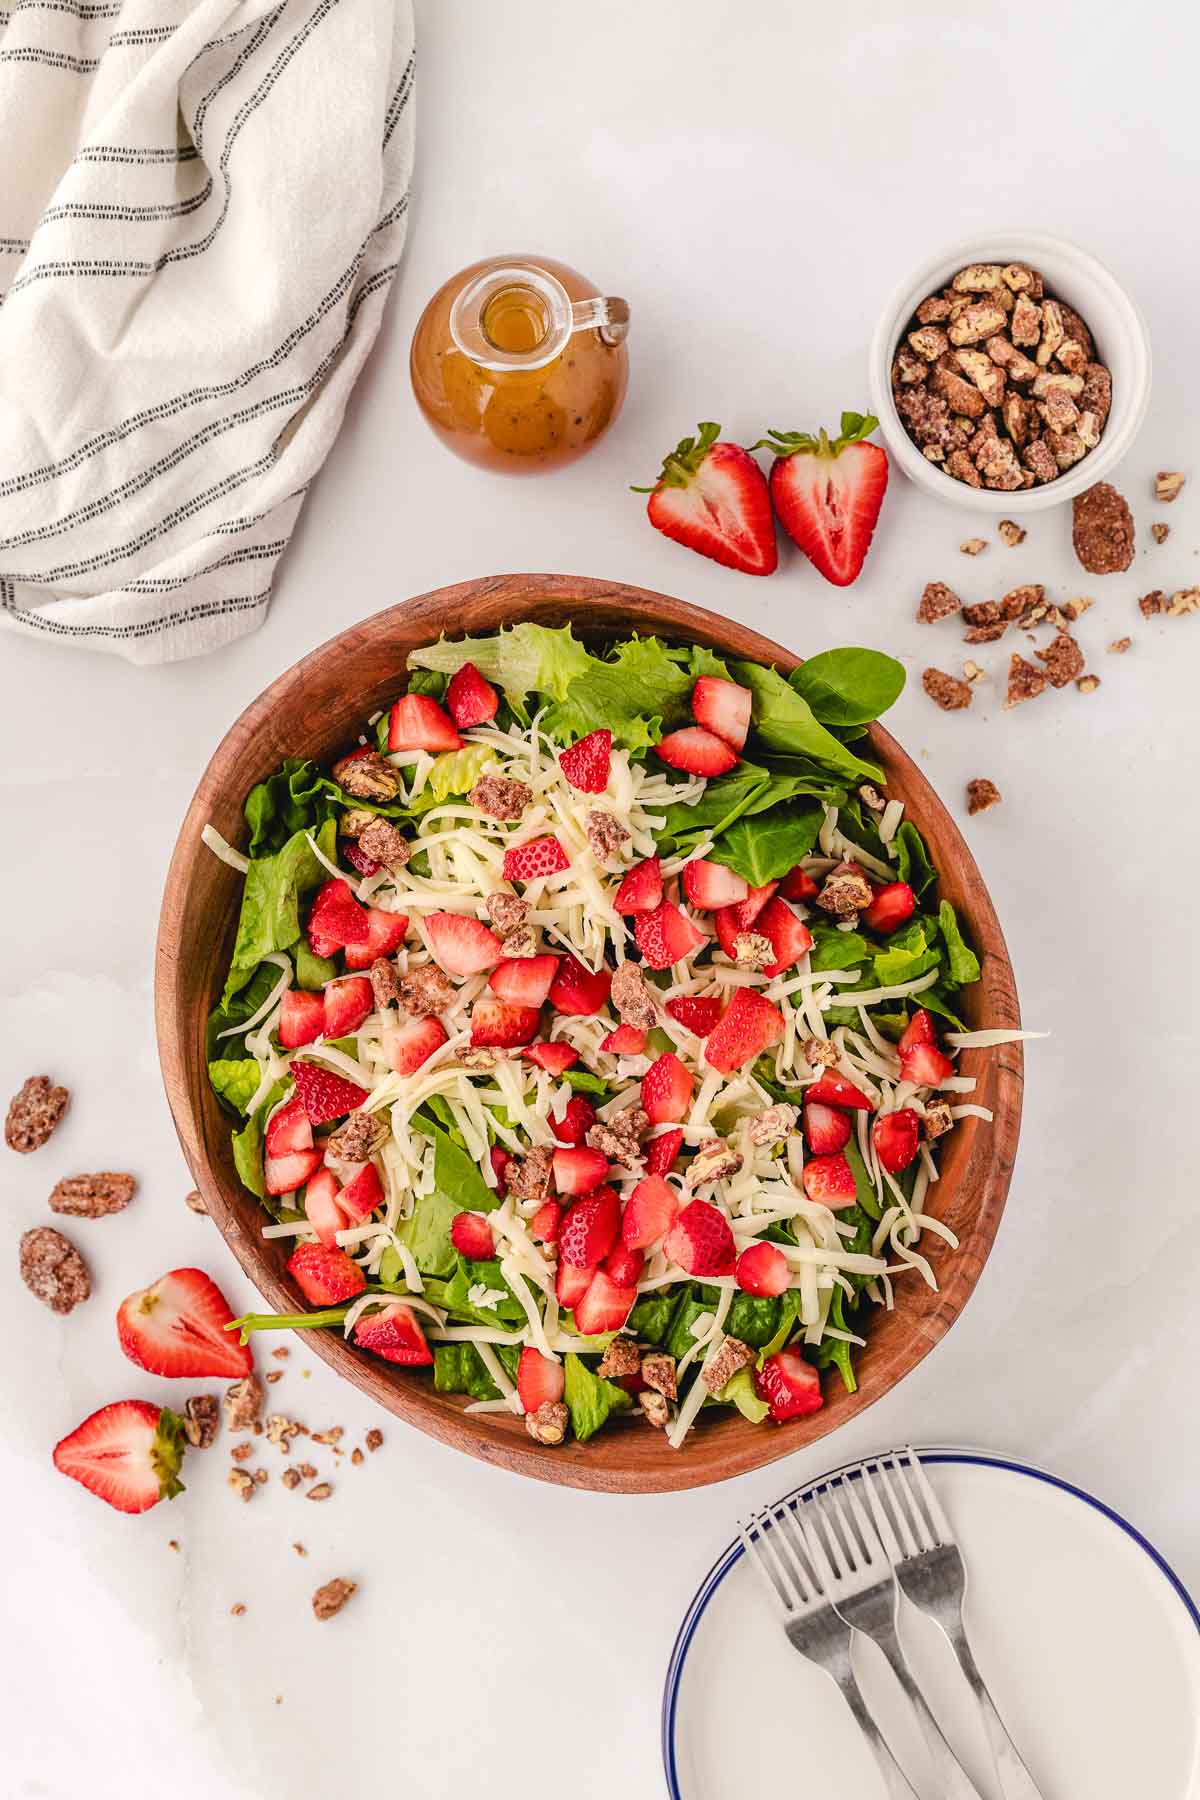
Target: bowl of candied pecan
[1010,368]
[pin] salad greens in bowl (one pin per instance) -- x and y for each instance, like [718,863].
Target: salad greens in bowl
[601,1050]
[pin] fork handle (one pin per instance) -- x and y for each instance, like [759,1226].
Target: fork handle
[1015,1779]
[956,1784]
[897,1782]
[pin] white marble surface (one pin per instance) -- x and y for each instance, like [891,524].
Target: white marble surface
[754,180]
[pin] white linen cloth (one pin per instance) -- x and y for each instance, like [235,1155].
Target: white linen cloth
[202,205]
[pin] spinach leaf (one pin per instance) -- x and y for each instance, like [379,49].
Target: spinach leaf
[866,1199]
[234,1080]
[582,1081]
[912,859]
[850,686]
[724,799]
[589,1400]
[961,959]
[834,949]
[934,1000]
[454,1296]
[270,915]
[248,1143]
[783,720]
[688,1309]
[764,847]
[789,1312]
[834,1352]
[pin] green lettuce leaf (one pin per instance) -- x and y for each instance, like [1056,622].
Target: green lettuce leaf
[248,1143]
[640,690]
[459,1369]
[834,949]
[961,959]
[270,915]
[739,1391]
[865,1196]
[456,772]
[458,1187]
[520,659]
[849,686]
[235,1080]
[650,1318]
[912,859]
[765,847]
[789,1312]
[312,972]
[235,1011]
[910,952]
[590,1400]
[298,797]
[783,721]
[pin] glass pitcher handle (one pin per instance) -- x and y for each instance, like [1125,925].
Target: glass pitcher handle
[610,318]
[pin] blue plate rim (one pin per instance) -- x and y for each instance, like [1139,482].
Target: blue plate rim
[730,1556]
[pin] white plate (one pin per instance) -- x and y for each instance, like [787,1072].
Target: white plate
[1089,1643]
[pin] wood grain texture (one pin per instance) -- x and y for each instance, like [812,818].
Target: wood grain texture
[317,709]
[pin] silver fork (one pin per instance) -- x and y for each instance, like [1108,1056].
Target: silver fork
[929,1568]
[857,1579]
[775,1548]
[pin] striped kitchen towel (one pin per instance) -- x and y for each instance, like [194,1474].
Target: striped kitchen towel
[202,205]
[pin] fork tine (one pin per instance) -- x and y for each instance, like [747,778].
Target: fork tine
[879,1513]
[941,1524]
[848,1492]
[910,1511]
[786,1550]
[802,1517]
[757,1556]
[845,1532]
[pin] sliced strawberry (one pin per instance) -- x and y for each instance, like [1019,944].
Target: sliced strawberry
[524,980]
[577,992]
[790,937]
[891,907]
[790,1386]
[834,1090]
[556,1059]
[177,1327]
[336,919]
[829,1180]
[545,1222]
[324,1275]
[538,1379]
[462,946]
[284,1174]
[896,1137]
[725,920]
[661,1152]
[385,934]
[499,1159]
[710,884]
[353,853]
[921,1062]
[535,860]
[605,1306]
[347,1004]
[470,699]
[501,1025]
[589,1227]
[301,1018]
[826,1128]
[696,752]
[394,1334]
[325,1095]
[641,890]
[586,764]
[762,1270]
[723,708]
[290,1129]
[700,1241]
[711,497]
[129,1453]
[408,1046]
[827,495]
[746,911]
[579,1169]
[576,1120]
[321,1207]
[695,1012]
[624,1264]
[650,1212]
[472,1237]
[417,722]
[666,936]
[572,1282]
[667,1088]
[362,1195]
[798,885]
[626,1040]
[749,1025]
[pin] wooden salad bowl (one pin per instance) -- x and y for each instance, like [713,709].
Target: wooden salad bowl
[317,709]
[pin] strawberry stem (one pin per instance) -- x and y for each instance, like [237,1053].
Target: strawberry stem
[855,428]
[681,463]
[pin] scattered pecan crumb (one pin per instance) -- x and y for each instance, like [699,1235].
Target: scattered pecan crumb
[290,1478]
[1087,684]
[333,1436]
[1187,600]
[1167,484]
[52,1269]
[1024,682]
[281,1354]
[33,1112]
[307,1471]
[1063,659]
[1152,603]
[986,634]
[972,672]
[322,1491]
[299,1549]
[237,1609]
[1119,646]
[1012,533]
[982,793]
[274,1375]
[937,602]
[356,1456]
[1160,531]
[973,546]
[654,1408]
[281,1430]
[1075,609]
[548,1425]
[194,1201]
[92,1196]
[243,1403]
[242,1452]
[1102,530]
[201,1419]
[373,1439]
[172,1543]
[241,1483]
[946,691]
[332,1597]
[261,1477]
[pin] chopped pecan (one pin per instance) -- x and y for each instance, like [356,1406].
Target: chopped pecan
[618,1138]
[997,462]
[972,671]
[1053,331]
[605,833]
[373,1439]
[1087,684]
[201,1419]
[92,1196]
[732,1356]
[753,950]
[845,893]
[1152,603]
[425,990]
[1076,332]
[355,820]
[1016,365]
[978,321]
[621,1358]
[358,1137]
[1019,421]
[1167,485]
[654,1408]
[715,1160]
[385,843]
[981,793]
[938,1119]
[368,776]
[499,797]
[957,392]
[1160,532]
[1050,381]
[973,546]
[933,310]
[772,1125]
[1119,646]
[871,798]
[986,375]
[479,1056]
[521,942]
[243,1403]
[1012,533]
[632,997]
[658,1372]
[937,602]
[331,1598]
[1102,530]
[1186,600]
[1038,458]
[528,1177]
[959,464]
[908,368]
[241,1483]
[1025,323]
[1096,395]
[986,634]
[946,691]
[507,911]
[52,1269]
[984,612]
[385,983]
[978,278]
[819,1053]
[548,1425]
[322,1491]
[929,342]
[1024,682]
[33,1112]
[194,1201]
[1058,412]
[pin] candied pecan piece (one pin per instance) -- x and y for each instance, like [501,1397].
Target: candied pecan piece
[425,990]
[959,464]
[521,942]
[933,309]
[1096,393]
[958,392]
[605,832]
[358,1137]
[499,797]
[658,1372]
[1050,381]
[368,776]
[1160,532]
[937,602]
[973,546]
[33,1112]
[772,1125]
[507,912]
[1021,279]
[632,998]
[929,342]
[1058,412]
[618,1137]
[732,1356]
[946,691]
[201,1419]
[1019,417]
[984,612]
[1012,533]
[978,278]
[385,843]
[1076,333]
[332,1596]
[527,1177]
[986,634]
[1072,356]
[1167,485]
[1119,646]
[1024,682]
[621,1358]
[1102,530]
[52,1269]
[819,1053]
[654,1408]
[1187,600]
[938,1119]
[753,950]
[981,793]
[997,463]
[715,1160]
[548,1425]
[1087,684]
[1154,602]
[194,1201]
[1016,365]
[1038,458]
[1053,332]
[908,368]
[984,374]
[844,893]
[980,320]
[1025,324]
[385,983]
[92,1196]
[1017,602]
[243,1403]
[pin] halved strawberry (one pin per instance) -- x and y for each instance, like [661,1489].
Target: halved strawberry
[896,1137]
[177,1326]
[347,1004]
[626,1040]
[605,1306]
[826,1128]
[891,907]
[128,1453]
[650,1212]
[575,1121]
[472,1237]
[827,495]
[921,1061]
[667,1088]
[417,722]
[462,946]
[394,1334]
[385,934]
[666,936]
[284,1174]
[579,1169]
[470,699]
[556,1059]
[535,860]
[723,708]
[710,884]
[832,1089]
[661,1152]
[578,992]
[321,1207]
[589,1227]
[290,1129]
[749,1025]
[323,1094]
[501,1025]
[545,1222]
[641,890]
[572,1282]
[695,1012]
[325,1276]
[362,1194]
[797,884]
[336,919]
[711,496]
[700,1241]
[524,980]
[790,1386]
[586,764]
[746,911]
[538,1379]
[624,1264]
[696,752]
[790,937]
[830,1181]
[762,1269]
[353,853]
[408,1046]
[301,1018]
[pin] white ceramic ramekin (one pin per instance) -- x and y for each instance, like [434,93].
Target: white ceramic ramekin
[1122,344]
